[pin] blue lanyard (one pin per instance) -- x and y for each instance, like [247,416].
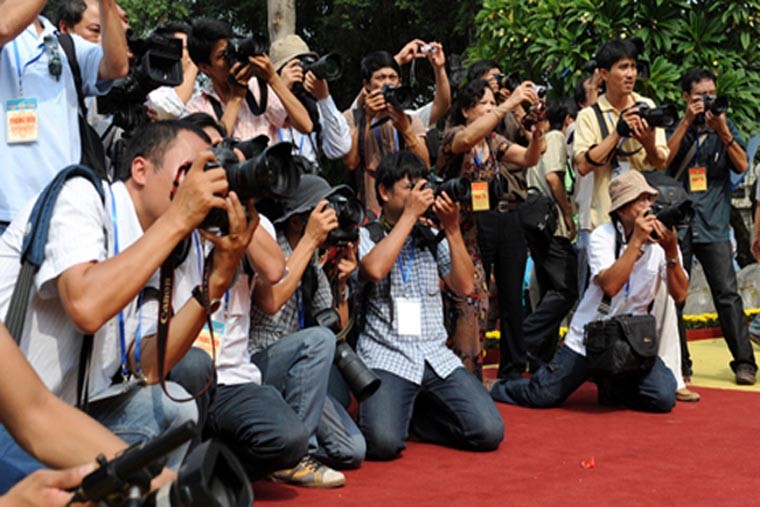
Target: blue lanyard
[198,252]
[301,310]
[380,143]
[138,336]
[406,274]
[122,333]
[19,69]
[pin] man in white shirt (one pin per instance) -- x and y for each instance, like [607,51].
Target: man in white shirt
[99,257]
[632,281]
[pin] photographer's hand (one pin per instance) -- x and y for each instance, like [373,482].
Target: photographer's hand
[418,201]
[374,104]
[346,264]
[447,212]
[238,80]
[315,86]
[321,221]
[523,93]
[199,191]
[409,52]
[46,488]
[262,67]
[693,109]
[292,73]
[438,57]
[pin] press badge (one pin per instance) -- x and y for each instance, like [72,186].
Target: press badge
[22,121]
[203,341]
[697,179]
[479,191]
[408,316]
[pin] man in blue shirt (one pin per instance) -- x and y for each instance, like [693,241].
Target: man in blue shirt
[704,148]
[424,387]
[39,102]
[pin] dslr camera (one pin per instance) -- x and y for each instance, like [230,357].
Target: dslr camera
[458,189]
[716,105]
[240,49]
[350,213]
[675,215]
[328,67]
[157,62]
[268,172]
[401,97]
[663,116]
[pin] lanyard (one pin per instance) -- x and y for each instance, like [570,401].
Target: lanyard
[301,310]
[122,338]
[379,139]
[198,252]
[20,69]
[406,274]
[138,338]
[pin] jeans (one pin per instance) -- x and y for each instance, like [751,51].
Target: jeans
[146,412]
[15,463]
[455,412]
[581,245]
[554,382]
[502,243]
[716,260]
[192,373]
[556,271]
[754,326]
[299,365]
[258,426]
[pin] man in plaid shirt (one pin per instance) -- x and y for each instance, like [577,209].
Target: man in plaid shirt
[424,386]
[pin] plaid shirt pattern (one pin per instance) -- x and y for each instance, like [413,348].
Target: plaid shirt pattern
[380,345]
[267,329]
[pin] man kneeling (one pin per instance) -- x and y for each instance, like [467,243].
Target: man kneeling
[424,385]
[631,281]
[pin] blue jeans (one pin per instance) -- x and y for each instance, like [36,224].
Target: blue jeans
[754,326]
[140,414]
[551,385]
[298,366]
[260,428]
[455,412]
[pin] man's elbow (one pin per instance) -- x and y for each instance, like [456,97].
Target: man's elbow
[85,316]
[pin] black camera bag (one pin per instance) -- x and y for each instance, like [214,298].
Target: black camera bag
[538,216]
[623,345]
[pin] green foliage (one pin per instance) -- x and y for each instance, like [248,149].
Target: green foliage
[550,40]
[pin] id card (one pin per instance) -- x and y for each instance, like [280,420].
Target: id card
[203,341]
[479,192]
[22,121]
[698,179]
[408,316]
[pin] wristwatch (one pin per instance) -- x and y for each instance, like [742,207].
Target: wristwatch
[213,305]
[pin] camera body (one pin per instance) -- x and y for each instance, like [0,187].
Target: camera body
[240,49]
[458,189]
[269,172]
[716,105]
[328,67]
[664,116]
[157,62]
[508,81]
[675,215]
[400,97]
[350,213]
[427,49]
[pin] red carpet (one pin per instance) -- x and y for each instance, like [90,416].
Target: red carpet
[700,454]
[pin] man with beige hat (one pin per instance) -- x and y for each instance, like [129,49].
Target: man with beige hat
[648,257]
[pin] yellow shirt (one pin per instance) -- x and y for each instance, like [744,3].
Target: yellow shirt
[588,133]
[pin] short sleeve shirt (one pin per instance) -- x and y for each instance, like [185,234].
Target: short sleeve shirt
[554,160]
[588,133]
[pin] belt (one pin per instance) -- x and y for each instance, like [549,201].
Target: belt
[505,206]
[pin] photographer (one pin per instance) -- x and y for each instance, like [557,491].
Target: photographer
[403,339]
[490,225]
[36,79]
[644,149]
[416,49]
[331,134]
[627,265]
[43,425]
[82,17]
[705,148]
[378,126]
[99,258]
[233,86]
[293,350]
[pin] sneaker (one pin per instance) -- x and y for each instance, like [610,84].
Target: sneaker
[745,375]
[687,395]
[310,473]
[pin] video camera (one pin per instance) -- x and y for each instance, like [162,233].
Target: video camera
[716,105]
[663,116]
[401,97]
[157,62]
[350,212]
[268,172]
[240,49]
[362,381]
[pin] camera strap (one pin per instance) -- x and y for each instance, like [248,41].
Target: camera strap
[165,314]
[693,150]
